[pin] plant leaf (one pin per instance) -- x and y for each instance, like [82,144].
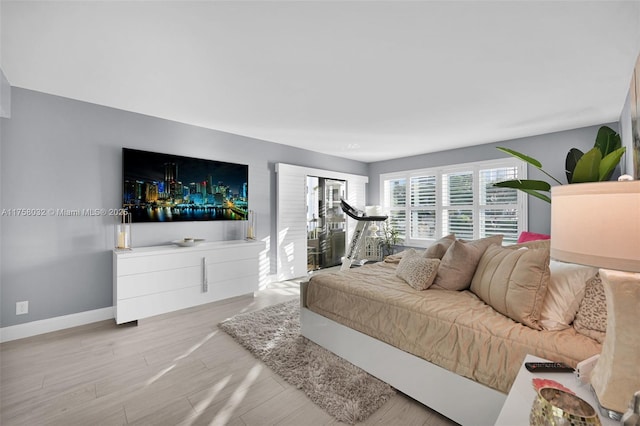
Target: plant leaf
[588,167]
[526,158]
[524,184]
[528,186]
[535,163]
[609,163]
[607,141]
[537,194]
[573,156]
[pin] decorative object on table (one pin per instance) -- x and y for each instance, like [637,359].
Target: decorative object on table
[373,241]
[553,406]
[343,390]
[188,242]
[251,225]
[547,383]
[123,231]
[596,165]
[372,251]
[598,224]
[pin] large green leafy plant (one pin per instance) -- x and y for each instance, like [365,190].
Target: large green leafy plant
[595,165]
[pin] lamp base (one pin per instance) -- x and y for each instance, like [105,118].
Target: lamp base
[616,376]
[606,412]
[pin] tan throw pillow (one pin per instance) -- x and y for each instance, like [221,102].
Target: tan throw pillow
[417,270]
[439,248]
[459,263]
[532,244]
[591,319]
[395,258]
[513,282]
[566,290]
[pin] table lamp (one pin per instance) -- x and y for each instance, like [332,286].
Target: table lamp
[598,224]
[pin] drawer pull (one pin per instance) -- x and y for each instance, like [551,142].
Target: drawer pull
[205,277]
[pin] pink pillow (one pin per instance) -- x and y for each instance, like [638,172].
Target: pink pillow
[532,236]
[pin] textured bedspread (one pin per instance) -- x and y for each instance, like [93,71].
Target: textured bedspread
[452,329]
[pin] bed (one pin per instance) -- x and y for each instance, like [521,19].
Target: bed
[448,349]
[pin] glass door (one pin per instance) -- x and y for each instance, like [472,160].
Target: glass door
[326,238]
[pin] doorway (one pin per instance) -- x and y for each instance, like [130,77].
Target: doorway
[326,222]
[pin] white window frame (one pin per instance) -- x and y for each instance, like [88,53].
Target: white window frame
[474,167]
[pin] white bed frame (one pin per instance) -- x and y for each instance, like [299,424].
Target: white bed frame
[458,398]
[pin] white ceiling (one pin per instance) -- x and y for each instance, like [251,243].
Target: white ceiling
[362,80]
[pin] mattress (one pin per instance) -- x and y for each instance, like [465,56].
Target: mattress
[452,329]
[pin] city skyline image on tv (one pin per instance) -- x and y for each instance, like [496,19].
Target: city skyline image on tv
[172,188]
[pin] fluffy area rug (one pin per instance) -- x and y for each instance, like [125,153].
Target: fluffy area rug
[343,390]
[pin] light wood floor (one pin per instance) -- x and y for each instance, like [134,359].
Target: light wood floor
[174,369]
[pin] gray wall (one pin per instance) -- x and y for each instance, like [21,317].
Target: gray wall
[64,154]
[550,149]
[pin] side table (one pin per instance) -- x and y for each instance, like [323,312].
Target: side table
[517,406]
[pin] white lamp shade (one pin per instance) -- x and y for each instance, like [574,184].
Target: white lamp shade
[597,224]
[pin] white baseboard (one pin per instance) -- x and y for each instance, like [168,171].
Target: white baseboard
[34,328]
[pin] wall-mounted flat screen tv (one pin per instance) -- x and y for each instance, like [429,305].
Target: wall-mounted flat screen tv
[171,188]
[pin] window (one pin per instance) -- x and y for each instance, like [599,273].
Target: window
[424,205]
[396,202]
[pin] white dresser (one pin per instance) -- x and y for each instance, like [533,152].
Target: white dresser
[149,281]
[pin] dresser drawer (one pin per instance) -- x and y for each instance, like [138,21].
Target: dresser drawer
[153,280]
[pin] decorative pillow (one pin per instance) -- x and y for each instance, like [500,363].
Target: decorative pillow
[526,236]
[513,282]
[532,244]
[459,263]
[439,248]
[566,290]
[395,258]
[417,270]
[591,319]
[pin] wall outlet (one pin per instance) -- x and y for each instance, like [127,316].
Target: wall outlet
[22,307]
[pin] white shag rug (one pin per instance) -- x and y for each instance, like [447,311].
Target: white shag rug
[343,390]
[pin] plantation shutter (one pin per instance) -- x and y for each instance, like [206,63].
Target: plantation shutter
[395,198]
[498,206]
[427,204]
[458,200]
[423,222]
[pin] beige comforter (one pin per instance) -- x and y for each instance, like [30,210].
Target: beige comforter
[452,329]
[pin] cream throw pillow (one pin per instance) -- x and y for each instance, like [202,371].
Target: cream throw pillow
[459,263]
[513,282]
[566,290]
[418,271]
[439,248]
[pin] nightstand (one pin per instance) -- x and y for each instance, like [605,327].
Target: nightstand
[517,406]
